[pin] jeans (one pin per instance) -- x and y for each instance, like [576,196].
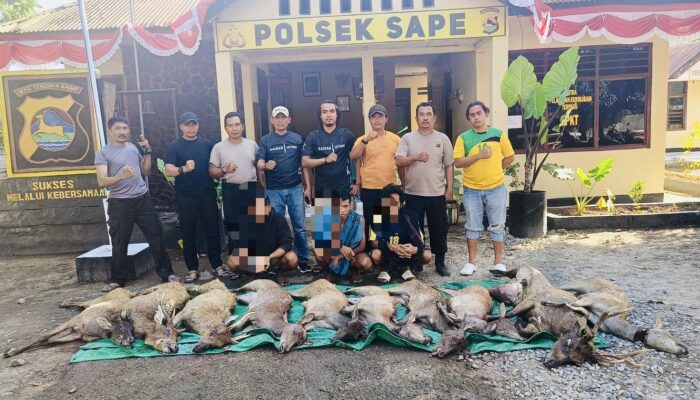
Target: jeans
[194,209]
[494,202]
[123,214]
[293,200]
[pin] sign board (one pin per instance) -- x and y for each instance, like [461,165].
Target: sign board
[361,29]
[48,124]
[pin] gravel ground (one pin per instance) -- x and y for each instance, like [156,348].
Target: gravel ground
[658,269]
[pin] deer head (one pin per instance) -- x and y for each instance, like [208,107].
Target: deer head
[294,334]
[121,331]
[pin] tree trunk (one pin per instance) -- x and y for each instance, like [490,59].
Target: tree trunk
[528,177]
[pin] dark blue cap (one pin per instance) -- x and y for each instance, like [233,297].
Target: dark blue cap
[188,117]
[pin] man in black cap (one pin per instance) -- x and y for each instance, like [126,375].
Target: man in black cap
[378,169]
[188,161]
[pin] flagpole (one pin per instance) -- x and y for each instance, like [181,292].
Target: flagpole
[95,95]
[91,72]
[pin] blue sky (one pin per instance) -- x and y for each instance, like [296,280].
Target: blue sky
[48,4]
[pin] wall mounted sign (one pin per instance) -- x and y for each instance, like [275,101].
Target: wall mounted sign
[361,29]
[48,124]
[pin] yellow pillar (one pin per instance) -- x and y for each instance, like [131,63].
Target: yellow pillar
[249,82]
[491,65]
[367,88]
[225,86]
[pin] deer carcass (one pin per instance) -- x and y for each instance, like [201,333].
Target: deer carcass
[95,322]
[575,341]
[468,306]
[207,315]
[325,302]
[152,315]
[119,294]
[597,295]
[378,308]
[268,305]
[423,302]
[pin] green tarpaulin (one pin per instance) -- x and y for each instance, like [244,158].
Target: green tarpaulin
[104,349]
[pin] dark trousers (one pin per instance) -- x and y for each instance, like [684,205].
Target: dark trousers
[193,209]
[436,210]
[371,201]
[236,200]
[123,214]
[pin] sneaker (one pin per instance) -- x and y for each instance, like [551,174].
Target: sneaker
[408,275]
[304,268]
[383,277]
[468,269]
[441,268]
[500,267]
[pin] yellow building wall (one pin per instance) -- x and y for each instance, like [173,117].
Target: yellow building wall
[413,82]
[629,165]
[674,139]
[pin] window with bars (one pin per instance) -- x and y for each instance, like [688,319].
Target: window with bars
[428,3]
[345,6]
[386,5]
[284,8]
[325,7]
[609,102]
[305,7]
[366,5]
[407,4]
[677,92]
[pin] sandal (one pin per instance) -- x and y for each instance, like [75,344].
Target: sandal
[191,277]
[222,272]
[383,278]
[110,286]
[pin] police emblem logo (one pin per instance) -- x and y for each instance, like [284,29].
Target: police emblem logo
[489,20]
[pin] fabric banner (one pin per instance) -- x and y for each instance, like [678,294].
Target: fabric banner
[625,24]
[69,48]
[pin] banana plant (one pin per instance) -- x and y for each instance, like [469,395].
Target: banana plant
[587,180]
[520,86]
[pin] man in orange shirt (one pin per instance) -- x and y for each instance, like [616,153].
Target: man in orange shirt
[484,152]
[376,151]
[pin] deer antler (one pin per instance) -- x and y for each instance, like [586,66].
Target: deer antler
[607,314]
[606,359]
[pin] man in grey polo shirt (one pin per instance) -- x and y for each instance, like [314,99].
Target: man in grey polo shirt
[119,167]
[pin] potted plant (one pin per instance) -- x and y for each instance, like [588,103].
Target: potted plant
[527,210]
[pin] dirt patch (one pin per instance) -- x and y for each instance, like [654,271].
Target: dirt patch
[657,268]
[627,209]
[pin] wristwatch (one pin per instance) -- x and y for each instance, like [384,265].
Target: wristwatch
[180,171]
[365,142]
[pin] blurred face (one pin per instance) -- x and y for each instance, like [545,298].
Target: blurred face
[259,210]
[425,118]
[329,116]
[189,129]
[234,127]
[390,207]
[119,132]
[378,121]
[280,122]
[478,117]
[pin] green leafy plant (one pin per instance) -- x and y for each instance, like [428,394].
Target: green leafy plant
[587,180]
[161,167]
[520,86]
[512,171]
[610,203]
[637,193]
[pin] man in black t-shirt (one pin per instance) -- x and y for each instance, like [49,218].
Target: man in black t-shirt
[327,151]
[187,160]
[266,244]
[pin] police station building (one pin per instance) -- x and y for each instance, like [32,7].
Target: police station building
[450,52]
